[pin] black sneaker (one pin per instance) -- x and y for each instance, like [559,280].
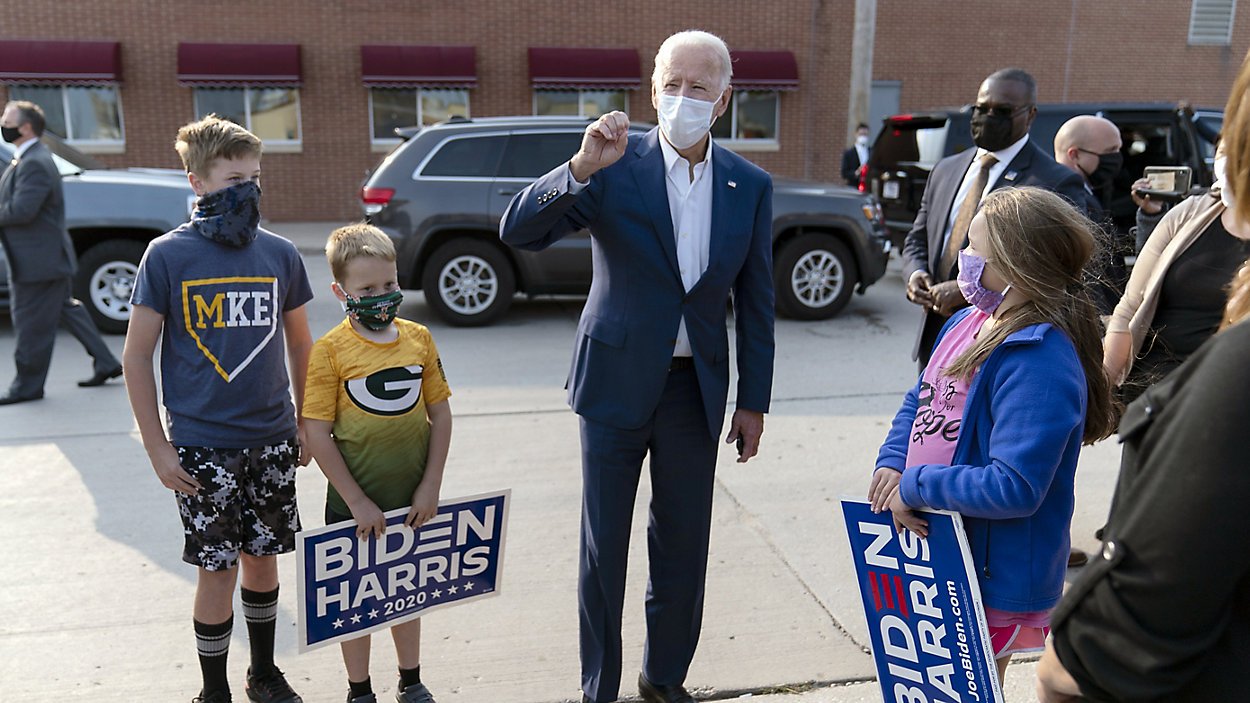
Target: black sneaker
[416,693]
[270,687]
[214,697]
[367,698]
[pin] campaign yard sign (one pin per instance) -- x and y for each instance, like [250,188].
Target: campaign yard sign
[929,637]
[350,586]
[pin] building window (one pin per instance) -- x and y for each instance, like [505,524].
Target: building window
[590,104]
[1211,22]
[752,117]
[270,113]
[81,115]
[404,107]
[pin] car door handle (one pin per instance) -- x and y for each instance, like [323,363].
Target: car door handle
[506,191]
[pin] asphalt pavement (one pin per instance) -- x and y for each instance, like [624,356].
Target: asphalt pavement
[95,602]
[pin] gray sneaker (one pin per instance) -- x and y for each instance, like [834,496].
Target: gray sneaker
[367,698]
[416,693]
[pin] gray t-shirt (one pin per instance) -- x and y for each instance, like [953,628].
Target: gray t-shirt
[223,367]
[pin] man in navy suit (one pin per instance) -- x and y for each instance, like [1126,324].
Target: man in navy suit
[679,227]
[1003,158]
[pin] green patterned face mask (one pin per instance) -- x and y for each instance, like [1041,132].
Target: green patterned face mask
[376,311]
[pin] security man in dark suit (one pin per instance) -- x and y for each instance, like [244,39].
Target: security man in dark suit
[855,156]
[1003,157]
[41,260]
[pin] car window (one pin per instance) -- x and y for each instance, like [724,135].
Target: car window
[918,141]
[1208,125]
[466,157]
[531,155]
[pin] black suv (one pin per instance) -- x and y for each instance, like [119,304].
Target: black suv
[441,192]
[1153,134]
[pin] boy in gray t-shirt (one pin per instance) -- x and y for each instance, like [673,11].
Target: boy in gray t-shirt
[221,294]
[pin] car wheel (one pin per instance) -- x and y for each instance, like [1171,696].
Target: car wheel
[468,282]
[814,276]
[105,278]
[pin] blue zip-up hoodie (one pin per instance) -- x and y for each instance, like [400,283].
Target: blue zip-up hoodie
[1013,472]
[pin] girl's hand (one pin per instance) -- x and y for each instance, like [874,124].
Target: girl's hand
[884,480]
[424,506]
[903,515]
[369,518]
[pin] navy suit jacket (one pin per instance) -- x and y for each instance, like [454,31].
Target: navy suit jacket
[628,327]
[922,249]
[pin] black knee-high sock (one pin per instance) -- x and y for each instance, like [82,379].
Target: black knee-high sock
[213,644]
[261,612]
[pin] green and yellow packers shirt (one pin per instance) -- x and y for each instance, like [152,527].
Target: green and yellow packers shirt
[224,379]
[376,395]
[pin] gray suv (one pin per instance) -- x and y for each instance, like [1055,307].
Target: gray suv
[111,215]
[441,192]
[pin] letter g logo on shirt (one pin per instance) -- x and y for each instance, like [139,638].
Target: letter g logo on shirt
[392,391]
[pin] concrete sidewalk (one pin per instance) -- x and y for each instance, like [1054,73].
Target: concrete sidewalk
[95,602]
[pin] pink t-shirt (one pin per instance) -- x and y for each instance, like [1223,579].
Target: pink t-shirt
[940,407]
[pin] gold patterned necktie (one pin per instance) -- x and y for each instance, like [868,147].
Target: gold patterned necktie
[959,232]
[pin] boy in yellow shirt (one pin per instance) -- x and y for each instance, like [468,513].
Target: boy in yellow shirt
[378,423]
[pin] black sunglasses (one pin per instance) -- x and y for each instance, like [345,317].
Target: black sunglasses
[1000,111]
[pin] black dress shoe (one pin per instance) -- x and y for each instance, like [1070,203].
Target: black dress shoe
[10,398]
[651,693]
[100,377]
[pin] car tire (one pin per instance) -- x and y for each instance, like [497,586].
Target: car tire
[105,279]
[814,276]
[468,282]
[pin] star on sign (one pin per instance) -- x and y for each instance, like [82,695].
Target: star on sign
[468,586]
[451,590]
[436,594]
[373,614]
[356,619]
[338,623]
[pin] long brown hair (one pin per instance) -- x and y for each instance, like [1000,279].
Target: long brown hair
[1041,244]
[1236,143]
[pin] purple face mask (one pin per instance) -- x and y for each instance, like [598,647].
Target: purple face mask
[971,267]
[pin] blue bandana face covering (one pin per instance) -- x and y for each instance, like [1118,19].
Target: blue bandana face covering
[376,311]
[971,267]
[229,216]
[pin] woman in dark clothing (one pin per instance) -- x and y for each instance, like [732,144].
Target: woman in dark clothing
[1164,614]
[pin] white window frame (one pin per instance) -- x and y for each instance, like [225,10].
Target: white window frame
[757,143]
[1202,10]
[581,99]
[88,146]
[277,146]
[387,143]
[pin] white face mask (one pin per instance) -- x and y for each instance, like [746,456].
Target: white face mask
[862,140]
[684,120]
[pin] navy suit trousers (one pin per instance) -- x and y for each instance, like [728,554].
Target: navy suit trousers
[683,470]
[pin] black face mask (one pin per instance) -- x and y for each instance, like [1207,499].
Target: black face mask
[10,134]
[1101,180]
[991,132]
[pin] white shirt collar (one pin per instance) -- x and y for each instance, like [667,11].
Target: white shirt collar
[1005,156]
[673,160]
[17,152]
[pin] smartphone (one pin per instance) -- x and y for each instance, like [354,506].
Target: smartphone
[1167,183]
[739,443]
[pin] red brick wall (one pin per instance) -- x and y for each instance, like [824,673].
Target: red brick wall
[929,46]
[1078,50]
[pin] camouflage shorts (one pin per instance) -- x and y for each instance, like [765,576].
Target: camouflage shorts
[246,503]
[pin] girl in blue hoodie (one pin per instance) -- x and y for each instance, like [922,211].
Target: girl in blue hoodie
[993,427]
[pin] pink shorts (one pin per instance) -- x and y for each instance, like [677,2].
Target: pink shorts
[1016,633]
